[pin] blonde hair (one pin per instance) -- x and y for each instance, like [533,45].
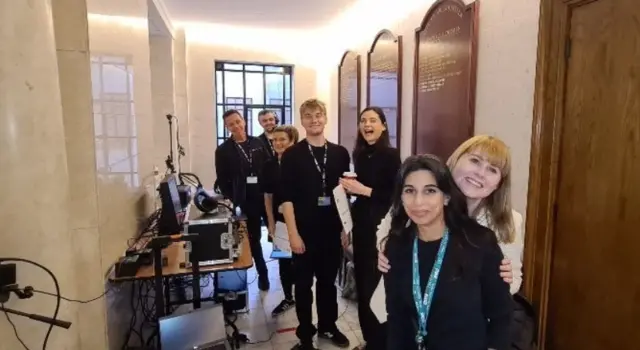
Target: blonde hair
[498,204]
[313,104]
[290,130]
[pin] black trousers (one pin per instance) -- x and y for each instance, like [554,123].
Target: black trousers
[254,210]
[365,256]
[321,260]
[286,277]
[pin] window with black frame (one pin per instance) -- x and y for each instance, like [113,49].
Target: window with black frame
[251,88]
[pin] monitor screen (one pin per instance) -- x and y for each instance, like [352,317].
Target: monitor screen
[173,192]
[171,215]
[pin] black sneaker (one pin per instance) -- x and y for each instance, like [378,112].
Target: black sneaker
[337,338]
[304,346]
[282,307]
[263,283]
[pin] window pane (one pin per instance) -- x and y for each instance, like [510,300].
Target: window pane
[134,156]
[122,125]
[287,90]
[232,66]
[220,141]
[234,100]
[114,59]
[97,124]
[275,89]
[119,155]
[253,124]
[130,76]
[220,129]
[219,87]
[287,116]
[96,82]
[274,69]
[253,68]
[101,163]
[114,79]
[110,123]
[255,88]
[233,86]
[134,129]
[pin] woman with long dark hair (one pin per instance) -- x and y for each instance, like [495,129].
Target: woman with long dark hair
[444,291]
[376,164]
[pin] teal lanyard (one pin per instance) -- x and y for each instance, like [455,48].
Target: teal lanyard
[423,305]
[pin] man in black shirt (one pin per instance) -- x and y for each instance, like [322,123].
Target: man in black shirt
[310,171]
[238,162]
[268,121]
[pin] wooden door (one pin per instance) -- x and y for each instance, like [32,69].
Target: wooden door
[593,246]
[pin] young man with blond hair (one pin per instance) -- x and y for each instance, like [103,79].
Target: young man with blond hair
[310,171]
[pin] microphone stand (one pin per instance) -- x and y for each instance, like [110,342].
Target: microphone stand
[169,161]
[40,318]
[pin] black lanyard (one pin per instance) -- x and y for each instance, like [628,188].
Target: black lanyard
[323,170]
[248,157]
[273,151]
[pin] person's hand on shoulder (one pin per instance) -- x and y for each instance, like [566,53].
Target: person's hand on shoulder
[383,263]
[506,271]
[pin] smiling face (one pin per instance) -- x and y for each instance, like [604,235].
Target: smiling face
[422,200]
[268,122]
[476,176]
[314,121]
[371,126]
[235,124]
[281,142]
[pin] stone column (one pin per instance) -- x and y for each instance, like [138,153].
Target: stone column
[180,95]
[72,45]
[161,59]
[34,185]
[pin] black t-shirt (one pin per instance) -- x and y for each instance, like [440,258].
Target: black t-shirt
[235,162]
[302,186]
[270,183]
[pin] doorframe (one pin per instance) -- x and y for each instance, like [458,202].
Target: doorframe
[548,114]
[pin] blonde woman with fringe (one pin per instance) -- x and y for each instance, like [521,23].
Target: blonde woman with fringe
[481,167]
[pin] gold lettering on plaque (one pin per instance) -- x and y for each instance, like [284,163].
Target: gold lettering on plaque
[444,9]
[436,65]
[349,84]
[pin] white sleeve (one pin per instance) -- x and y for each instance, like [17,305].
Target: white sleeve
[383,229]
[513,252]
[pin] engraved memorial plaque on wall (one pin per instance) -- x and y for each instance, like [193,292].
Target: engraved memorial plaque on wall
[445,78]
[349,99]
[384,80]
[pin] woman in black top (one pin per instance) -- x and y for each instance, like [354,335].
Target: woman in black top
[471,306]
[283,137]
[376,164]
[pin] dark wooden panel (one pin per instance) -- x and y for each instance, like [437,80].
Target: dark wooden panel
[349,99]
[582,222]
[384,80]
[444,75]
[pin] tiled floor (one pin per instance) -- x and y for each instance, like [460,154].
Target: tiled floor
[267,333]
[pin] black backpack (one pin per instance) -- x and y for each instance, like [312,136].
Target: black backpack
[524,330]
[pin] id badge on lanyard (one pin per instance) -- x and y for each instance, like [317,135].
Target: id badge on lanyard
[423,304]
[251,179]
[324,200]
